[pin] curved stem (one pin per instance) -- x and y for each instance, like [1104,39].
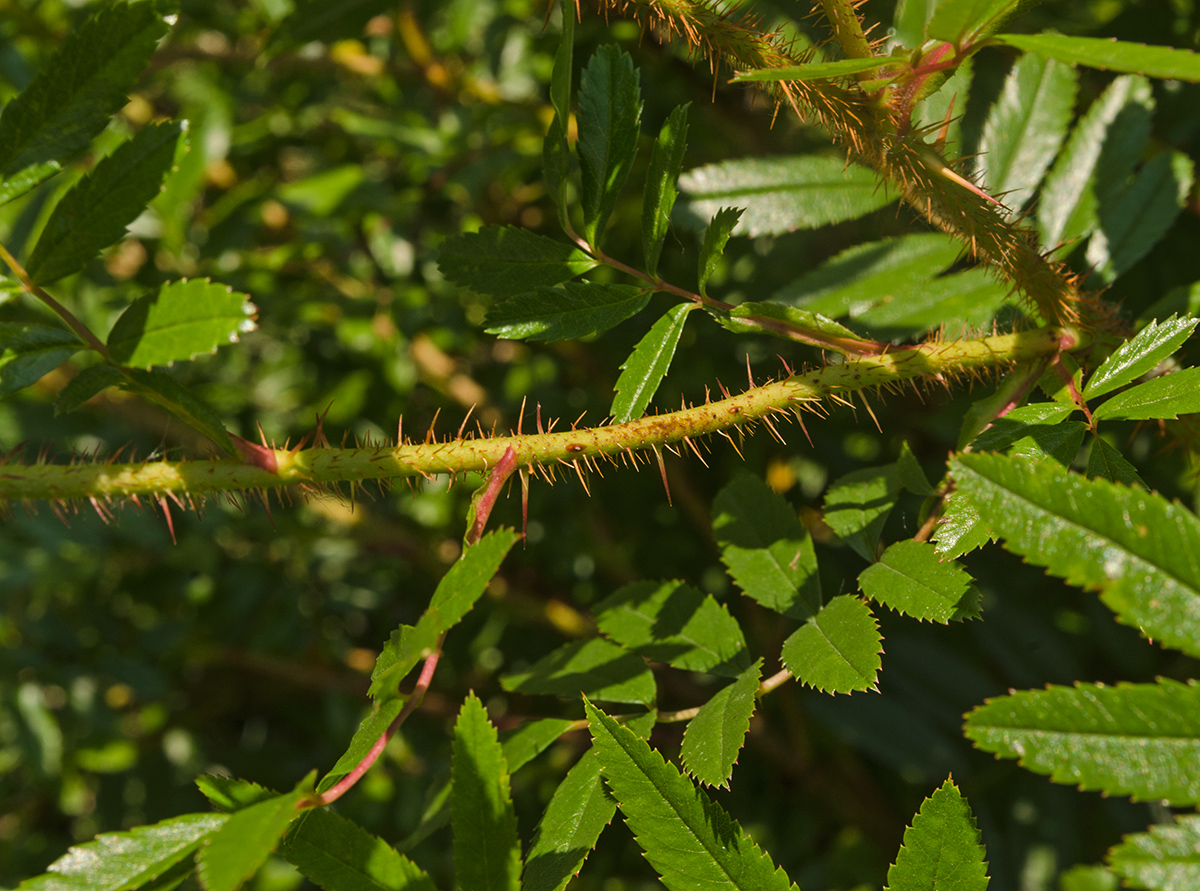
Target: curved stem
[61,311]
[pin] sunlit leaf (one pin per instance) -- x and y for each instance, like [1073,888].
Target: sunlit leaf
[337,854]
[716,734]
[570,827]
[577,309]
[647,365]
[1165,397]
[1110,55]
[941,848]
[597,668]
[1135,357]
[610,111]
[962,22]
[666,161]
[837,650]
[913,579]
[246,840]
[715,238]
[1167,858]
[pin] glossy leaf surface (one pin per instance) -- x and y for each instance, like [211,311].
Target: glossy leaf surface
[182,320]
[1110,55]
[1167,858]
[837,650]
[245,841]
[337,854]
[1135,357]
[911,578]
[610,110]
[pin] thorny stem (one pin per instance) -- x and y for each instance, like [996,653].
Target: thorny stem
[847,28]
[61,311]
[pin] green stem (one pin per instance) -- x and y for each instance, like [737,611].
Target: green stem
[847,28]
[61,311]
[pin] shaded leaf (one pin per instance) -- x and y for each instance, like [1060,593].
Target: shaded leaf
[246,840]
[27,352]
[339,855]
[162,389]
[857,505]
[942,848]
[504,261]
[1110,55]
[229,794]
[1165,397]
[761,318]
[1136,357]
[1018,422]
[487,852]
[1107,463]
[526,742]
[370,729]
[963,22]
[597,668]
[666,161]
[716,236]
[970,298]
[911,578]
[182,320]
[1167,858]
[90,382]
[715,736]
[647,365]
[1060,442]
[570,827]
[691,841]
[782,194]
[837,650]
[766,548]
[1141,740]
[815,71]
[577,309]
[910,474]
[610,111]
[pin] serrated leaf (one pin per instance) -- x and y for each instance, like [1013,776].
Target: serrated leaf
[1016,423]
[1165,397]
[1139,550]
[90,382]
[782,194]
[1134,219]
[910,475]
[1060,442]
[912,579]
[610,111]
[570,827]
[837,650]
[97,209]
[647,365]
[577,309]
[72,97]
[1135,357]
[666,161]
[247,839]
[117,861]
[1066,208]
[1141,740]
[964,22]
[487,852]
[716,236]
[815,71]
[162,389]
[1165,62]
[229,794]
[766,548]
[181,321]
[857,505]
[674,623]
[715,736]
[968,299]
[760,318]
[691,841]
[370,729]
[27,352]
[1025,128]
[454,597]
[597,668]
[1107,463]
[942,847]
[1167,858]
[504,261]
[960,529]
[339,855]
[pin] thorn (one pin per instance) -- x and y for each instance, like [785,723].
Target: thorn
[539,418]
[749,376]
[524,500]
[466,418]
[521,416]
[662,468]
[582,478]
[691,445]
[400,431]
[166,509]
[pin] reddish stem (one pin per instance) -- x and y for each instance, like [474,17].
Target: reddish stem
[483,507]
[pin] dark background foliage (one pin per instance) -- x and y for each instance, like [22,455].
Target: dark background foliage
[332,152]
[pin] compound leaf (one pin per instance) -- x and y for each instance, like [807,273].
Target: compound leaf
[647,365]
[27,352]
[1141,740]
[504,261]
[1110,55]
[837,650]
[597,668]
[690,840]
[339,855]
[1167,858]
[1139,550]
[1135,357]
[610,111]
[576,309]
[666,161]
[570,827]
[487,852]
[912,579]
[941,848]
[766,548]
[716,236]
[715,735]
[246,840]
[1165,397]
[857,505]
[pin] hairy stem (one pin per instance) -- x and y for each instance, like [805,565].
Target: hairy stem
[847,28]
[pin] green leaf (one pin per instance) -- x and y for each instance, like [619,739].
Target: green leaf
[229,794]
[910,474]
[691,841]
[1066,208]
[1087,878]
[27,352]
[1136,357]
[570,827]
[487,852]
[647,365]
[504,261]
[90,382]
[908,23]
[1006,430]
[456,594]
[1164,62]
[117,861]
[964,22]
[246,840]
[370,729]
[666,161]
[1025,128]
[1060,442]
[610,111]
[766,548]
[1165,397]
[1138,216]
[597,668]
[181,321]
[577,309]
[560,79]
[715,736]
[162,389]
[339,855]
[857,505]
[966,299]
[960,529]
[1107,463]
[1141,740]
[79,88]
[862,276]
[783,194]
[1166,858]
[95,212]
[837,650]
[816,71]
[911,578]
[1135,547]
[759,318]
[716,236]
[941,848]
[674,623]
